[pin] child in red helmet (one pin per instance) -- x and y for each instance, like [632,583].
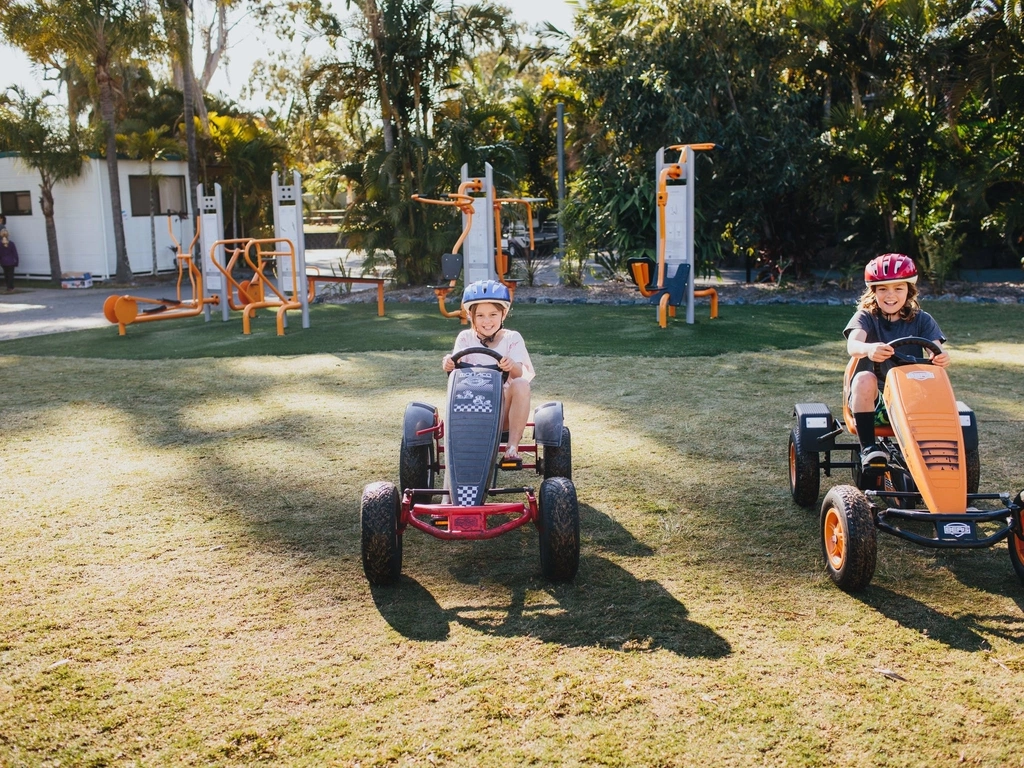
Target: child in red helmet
[888,310]
[487,302]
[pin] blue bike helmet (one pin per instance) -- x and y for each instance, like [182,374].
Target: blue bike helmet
[490,291]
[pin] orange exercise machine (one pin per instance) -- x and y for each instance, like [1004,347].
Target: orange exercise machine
[669,282]
[483,256]
[122,311]
[260,291]
[451,263]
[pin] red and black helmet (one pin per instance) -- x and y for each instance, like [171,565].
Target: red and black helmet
[890,268]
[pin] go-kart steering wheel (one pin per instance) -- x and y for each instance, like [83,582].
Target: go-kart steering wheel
[457,359]
[906,359]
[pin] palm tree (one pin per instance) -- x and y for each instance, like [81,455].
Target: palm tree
[150,145]
[41,136]
[94,35]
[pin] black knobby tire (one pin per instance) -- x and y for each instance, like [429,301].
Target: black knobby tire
[558,459]
[382,544]
[972,458]
[1016,546]
[415,469]
[804,471]
[559,529]
[848,538]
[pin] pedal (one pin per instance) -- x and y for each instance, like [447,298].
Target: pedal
[511,465]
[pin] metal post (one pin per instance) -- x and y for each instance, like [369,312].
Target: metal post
[690,167]
[560,112]
[211,216]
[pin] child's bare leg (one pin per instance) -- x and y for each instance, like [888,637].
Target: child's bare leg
[518,398]
[863,392]
[863,396]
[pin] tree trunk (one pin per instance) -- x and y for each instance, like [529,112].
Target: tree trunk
[46,204]
[372,14]
[188,83]
[123,273]
[152,217]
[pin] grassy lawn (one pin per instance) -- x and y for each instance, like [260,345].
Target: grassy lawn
[181,574]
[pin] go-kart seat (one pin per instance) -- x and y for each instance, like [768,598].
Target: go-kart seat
[851,425]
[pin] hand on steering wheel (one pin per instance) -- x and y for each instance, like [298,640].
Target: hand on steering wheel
[457,359]
[907,359]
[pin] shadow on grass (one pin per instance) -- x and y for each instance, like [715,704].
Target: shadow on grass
[958,633]
[606,606]
[412,611]
[990,571]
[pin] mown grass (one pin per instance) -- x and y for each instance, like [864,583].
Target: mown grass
[181,576]
[574,330]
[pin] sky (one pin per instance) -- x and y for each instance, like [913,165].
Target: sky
[248,44]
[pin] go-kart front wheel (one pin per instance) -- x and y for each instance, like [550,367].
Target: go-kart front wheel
[558,459]
[848,538]
[382,545]
[804,471]
[559,529]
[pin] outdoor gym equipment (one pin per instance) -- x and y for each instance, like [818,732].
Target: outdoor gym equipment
[452,263]
[502,260]
[124,310]
[467,448]
[482,257]
[287,200]
[930,482]
[211,226]
[669,282]
[260,291]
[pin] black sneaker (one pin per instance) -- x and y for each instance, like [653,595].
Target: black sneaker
[873,458]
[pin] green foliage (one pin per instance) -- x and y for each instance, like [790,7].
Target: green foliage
[694,72]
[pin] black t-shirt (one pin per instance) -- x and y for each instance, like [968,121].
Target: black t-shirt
[880,330]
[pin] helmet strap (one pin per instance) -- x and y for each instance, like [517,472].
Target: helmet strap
[485,340]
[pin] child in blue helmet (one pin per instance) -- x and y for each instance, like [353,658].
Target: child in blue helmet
[487,304]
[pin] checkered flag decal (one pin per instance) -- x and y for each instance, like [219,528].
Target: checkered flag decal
[476,404]
[466,495]
[483,406]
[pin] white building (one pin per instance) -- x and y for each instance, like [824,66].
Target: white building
[81,211]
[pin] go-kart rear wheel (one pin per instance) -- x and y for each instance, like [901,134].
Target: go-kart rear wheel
[559,529]
[1016,545]
[415,469]
[558,459]
[973,462]
[848,538]
[382,544]
[804,471]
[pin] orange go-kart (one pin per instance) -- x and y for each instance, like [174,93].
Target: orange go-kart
[927,494]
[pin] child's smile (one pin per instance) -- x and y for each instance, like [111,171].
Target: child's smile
[891,298]
[487,319]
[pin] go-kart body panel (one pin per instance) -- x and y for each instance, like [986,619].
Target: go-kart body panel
[418,424]
[548,420]
[472,434]
[925,419]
